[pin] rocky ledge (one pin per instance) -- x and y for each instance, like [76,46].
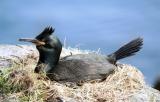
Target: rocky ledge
[127,84]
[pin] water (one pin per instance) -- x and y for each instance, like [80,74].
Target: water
[89,24]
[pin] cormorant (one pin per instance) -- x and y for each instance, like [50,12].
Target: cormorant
[49,48]
[80,67]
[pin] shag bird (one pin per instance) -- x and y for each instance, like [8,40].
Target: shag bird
[80,67]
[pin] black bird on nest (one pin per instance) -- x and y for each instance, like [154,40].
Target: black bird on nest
[80,67]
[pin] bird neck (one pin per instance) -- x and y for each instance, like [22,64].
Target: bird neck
[48,59]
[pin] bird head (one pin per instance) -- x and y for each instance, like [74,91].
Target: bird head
[49,47]
[43,39]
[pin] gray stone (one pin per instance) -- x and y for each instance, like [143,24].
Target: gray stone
[16,54]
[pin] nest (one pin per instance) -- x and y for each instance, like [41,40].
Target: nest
[123,83]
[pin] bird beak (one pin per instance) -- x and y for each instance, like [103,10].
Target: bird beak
[34,41]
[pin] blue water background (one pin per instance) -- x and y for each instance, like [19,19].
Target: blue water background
[89,24]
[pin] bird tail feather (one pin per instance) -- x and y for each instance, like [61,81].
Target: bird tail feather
[127,50]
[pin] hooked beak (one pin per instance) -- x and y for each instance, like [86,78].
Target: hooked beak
[34,41]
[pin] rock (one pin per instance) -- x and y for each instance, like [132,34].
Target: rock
[146,94]
[17,54]
[127,84]
[26,54]
[11,99]
[157,83]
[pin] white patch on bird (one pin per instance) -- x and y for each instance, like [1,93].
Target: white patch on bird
[47,68]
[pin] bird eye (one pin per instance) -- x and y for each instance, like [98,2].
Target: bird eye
[48,45]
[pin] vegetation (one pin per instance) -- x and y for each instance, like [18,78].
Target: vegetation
[24,84]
